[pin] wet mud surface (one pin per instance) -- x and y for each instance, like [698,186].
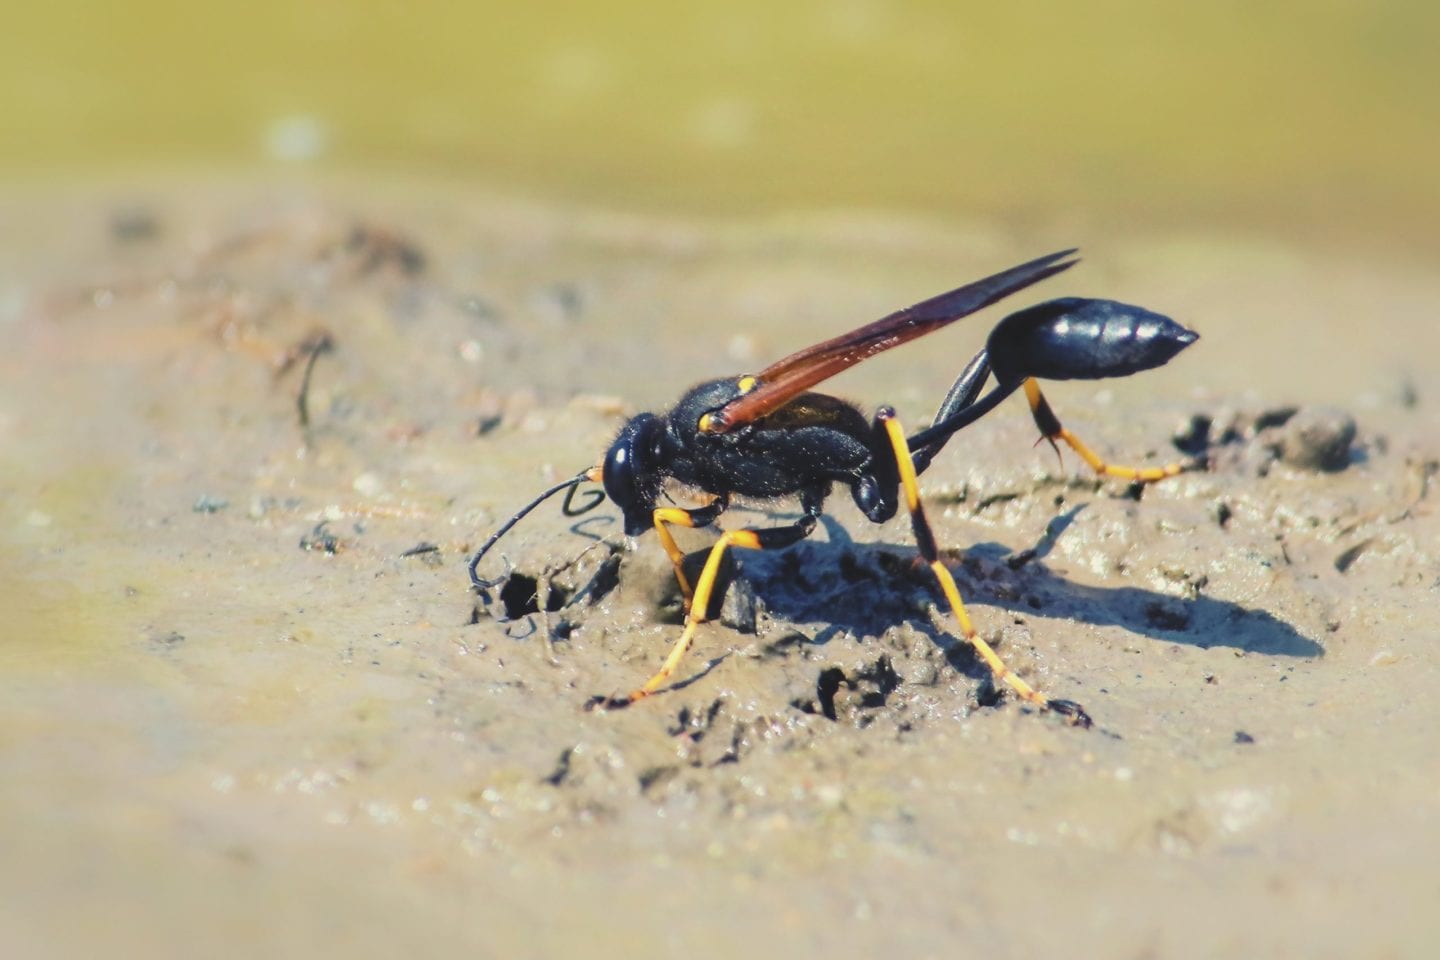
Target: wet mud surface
[249,698]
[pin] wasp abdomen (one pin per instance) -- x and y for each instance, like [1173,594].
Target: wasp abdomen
[1078,339]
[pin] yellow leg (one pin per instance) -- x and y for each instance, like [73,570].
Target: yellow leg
[700,602]
[704,587]
[663,517]
[925,540]
[1053,430]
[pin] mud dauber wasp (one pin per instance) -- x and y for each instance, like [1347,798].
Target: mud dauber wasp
[765,436]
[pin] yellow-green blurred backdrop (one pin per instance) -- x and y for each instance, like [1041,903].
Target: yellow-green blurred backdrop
[1311,115]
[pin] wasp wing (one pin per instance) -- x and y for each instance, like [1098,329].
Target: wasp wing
[782,381]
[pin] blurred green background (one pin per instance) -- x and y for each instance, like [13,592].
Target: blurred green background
[1305,116]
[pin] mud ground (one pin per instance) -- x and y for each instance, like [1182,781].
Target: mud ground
[248,702]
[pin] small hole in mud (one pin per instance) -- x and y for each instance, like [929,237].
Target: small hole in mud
[520,596]
[1194,436]
[825,689]
[987,694]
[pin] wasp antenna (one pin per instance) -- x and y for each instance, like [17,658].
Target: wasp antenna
[570,510]
[596,497]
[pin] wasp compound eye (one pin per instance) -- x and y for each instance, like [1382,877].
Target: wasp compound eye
[631,475]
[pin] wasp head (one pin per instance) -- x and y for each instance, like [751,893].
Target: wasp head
[632,471]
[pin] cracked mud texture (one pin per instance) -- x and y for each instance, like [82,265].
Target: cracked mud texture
[250,701]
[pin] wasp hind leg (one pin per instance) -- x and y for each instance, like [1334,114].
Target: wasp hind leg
[768,539]
[925,541]
[1052,430]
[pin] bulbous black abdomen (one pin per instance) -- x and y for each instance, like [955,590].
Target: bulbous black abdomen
[1078,339]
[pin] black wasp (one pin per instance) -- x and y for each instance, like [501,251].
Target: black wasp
[766,436]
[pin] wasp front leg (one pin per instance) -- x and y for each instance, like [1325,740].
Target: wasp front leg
[769,539]
[694,518]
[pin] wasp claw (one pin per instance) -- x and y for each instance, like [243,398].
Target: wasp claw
[1073,713]
[604,704]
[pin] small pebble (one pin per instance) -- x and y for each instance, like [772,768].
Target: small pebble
[740,608]
[368,485]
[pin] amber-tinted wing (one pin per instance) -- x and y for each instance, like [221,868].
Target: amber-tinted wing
[782,381]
